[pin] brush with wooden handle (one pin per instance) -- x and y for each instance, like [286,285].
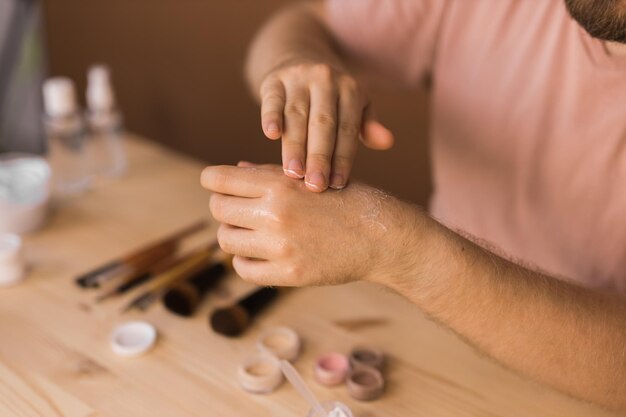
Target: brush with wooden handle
[138,259]
[182,269]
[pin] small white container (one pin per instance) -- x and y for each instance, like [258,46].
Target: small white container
[24,192]
[11,261]
[334,409]
[133,338]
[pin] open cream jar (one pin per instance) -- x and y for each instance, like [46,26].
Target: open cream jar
[24,192]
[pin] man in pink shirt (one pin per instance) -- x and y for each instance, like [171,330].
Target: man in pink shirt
[525,253]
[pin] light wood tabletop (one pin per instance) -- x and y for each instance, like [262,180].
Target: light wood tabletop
[55,357]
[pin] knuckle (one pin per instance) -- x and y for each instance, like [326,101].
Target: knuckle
[272,98]
[299,68]
[241,271]
[279,212]
[283,249]
[297,110]
[269,84]
[293,272]
[349,84]
[342,160]
[349,129]
[218,178]
[271,114]
[325,120]
[323,71]
[215,205]
[223,240]
[318,159]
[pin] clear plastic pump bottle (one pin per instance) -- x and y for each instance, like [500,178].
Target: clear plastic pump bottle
[104,145]
[65,129]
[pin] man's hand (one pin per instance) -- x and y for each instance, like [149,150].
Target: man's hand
[320,113]
[281,234]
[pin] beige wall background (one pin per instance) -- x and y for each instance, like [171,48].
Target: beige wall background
[177,67]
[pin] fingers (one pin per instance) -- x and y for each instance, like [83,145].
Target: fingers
[260,272]
[318,110]
[350,113]
[243,242]
[296,119]
[272,108]
[374,134]
[236,211]
[236,181]
[321,137]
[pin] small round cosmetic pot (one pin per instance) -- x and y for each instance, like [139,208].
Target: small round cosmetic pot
[133,338]
[365,383]
[282,342]
[367,356]
[334,409]
[24,192]
[331,369]
[260,374]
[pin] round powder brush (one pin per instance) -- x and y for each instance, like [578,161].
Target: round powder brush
[234,320]
[185,297]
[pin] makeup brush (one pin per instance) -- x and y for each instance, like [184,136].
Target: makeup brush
[184,297]
[139,278]
[234,320]
[184,268]
[138,259]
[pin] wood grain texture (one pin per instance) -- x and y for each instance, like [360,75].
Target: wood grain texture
[55,358]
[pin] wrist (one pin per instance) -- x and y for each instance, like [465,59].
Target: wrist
[406,247]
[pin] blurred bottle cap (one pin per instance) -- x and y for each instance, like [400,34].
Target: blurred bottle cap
[59,96]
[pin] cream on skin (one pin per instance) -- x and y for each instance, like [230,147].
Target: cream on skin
[555,332]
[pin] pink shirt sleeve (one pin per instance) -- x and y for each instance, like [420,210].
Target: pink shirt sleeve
[394,37]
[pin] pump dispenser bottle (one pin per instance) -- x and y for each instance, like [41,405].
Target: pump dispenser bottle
[104,145]
[65,129]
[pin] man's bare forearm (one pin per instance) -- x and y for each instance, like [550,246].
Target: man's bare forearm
[297,33]
[569,337]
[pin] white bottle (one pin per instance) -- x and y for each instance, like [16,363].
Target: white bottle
[65,129]
[104,146]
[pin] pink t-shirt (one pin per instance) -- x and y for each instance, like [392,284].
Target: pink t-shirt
[529,123]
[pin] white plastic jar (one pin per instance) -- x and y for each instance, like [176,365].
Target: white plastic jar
[24,192]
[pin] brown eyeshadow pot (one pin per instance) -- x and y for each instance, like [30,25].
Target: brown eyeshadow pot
[365,383]
[367,356]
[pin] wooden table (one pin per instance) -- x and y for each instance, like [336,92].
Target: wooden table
[55,358]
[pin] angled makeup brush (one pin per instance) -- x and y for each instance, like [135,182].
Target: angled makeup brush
[234,320]
[135,261]
[184,297]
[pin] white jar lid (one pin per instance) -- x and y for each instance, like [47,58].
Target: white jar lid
[133,338]
[260,374]
[282,342]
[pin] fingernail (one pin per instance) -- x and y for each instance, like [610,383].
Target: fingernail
[337,182]
[295,169]
[272,127]
[316,181]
